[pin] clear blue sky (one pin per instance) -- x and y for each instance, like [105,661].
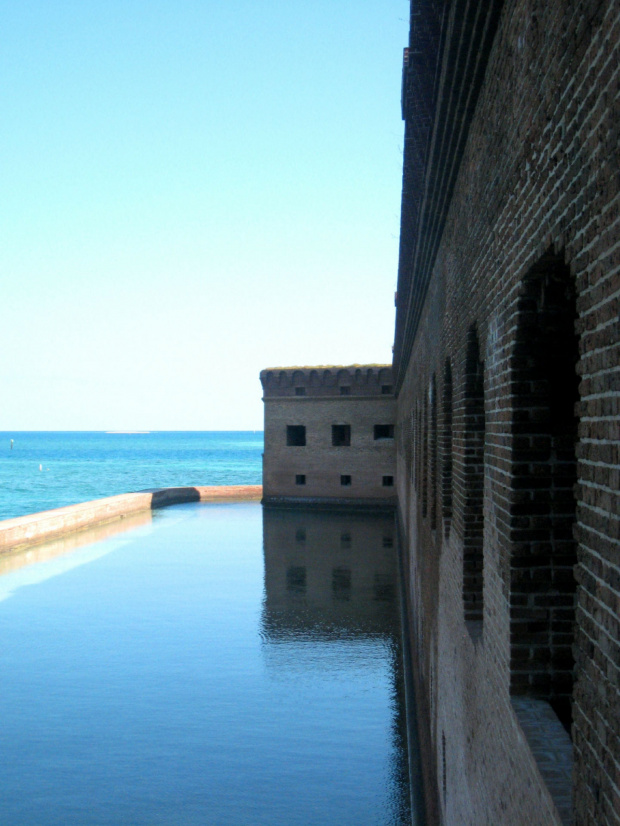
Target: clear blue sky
[192,191]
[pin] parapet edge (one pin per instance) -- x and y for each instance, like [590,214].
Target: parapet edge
[37,528]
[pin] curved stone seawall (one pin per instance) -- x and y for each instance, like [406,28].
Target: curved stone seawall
[39,527]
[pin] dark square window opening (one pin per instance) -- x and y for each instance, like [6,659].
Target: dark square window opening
[345,481]
[345,391]
[341,435]
[295,435]
[341,583]
[386,389]
[383,588]
[296,579]
[384,431]
[300,479]
[388,481]
[300,391]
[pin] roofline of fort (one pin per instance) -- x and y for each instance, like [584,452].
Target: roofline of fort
[360,378]
[309,367]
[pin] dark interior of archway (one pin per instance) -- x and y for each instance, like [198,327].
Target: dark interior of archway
[545,389]
[473,470]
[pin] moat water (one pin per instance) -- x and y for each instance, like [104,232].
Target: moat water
[212,664]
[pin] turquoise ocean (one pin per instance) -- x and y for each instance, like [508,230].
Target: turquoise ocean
[44,470]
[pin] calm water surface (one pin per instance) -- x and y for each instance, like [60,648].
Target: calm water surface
[216,664]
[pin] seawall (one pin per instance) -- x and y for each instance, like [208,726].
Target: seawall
[35,528]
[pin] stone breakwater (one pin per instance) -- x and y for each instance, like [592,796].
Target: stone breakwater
[36,528]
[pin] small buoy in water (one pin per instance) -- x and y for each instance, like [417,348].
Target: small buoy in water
[40,467]
[11,444]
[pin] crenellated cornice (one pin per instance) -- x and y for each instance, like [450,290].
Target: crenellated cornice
[336,380]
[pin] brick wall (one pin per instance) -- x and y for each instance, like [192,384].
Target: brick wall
[522,472]
[338,431]
[365,460]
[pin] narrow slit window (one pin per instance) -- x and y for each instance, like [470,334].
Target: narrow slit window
[345,481]
[388,482]
[341,435]
[300,479]
[296,435]
[383,431]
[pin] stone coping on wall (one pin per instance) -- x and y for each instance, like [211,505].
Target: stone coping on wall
[35,528]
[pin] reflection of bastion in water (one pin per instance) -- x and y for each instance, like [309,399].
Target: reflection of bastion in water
[330,576]
[332,605]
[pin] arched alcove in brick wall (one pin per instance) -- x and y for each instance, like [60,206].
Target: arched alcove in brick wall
[298,381]
[545,390]
[414,445]
[412,427]
[447,447]
[433,450]
[385,378]
[420,443]
[424,479]
[473,470]
[407,437]
[343,379]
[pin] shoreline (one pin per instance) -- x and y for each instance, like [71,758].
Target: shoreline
[22,532]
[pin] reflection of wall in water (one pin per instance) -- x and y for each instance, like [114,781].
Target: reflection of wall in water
[332,579]
[331,574]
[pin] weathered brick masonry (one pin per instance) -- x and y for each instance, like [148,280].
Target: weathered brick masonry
[329,435]
[507,373]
